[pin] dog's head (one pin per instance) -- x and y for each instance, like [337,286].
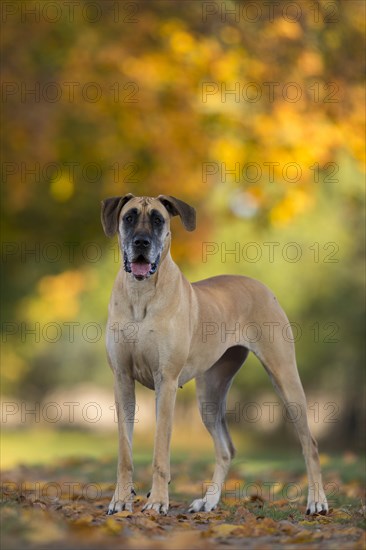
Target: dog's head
[143,227]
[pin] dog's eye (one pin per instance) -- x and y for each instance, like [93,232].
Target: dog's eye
[158,221]
[128,219]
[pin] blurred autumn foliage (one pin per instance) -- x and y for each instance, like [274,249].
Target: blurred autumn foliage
[253,115]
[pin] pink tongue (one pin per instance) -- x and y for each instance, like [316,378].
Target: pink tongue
[140,270]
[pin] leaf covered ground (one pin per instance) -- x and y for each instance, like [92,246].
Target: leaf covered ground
[63,505]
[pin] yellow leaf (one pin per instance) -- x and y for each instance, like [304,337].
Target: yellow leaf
[84,519]
[223,529]
[145,523]
[123,514]
[341,514]
[112,526]
[302,536]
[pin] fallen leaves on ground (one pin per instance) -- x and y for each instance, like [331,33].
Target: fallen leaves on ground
[64,506]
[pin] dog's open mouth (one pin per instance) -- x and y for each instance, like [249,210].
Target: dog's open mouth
[140,268]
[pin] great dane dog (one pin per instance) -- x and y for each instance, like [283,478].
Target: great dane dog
[173,346]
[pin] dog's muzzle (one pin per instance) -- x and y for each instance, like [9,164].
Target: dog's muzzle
[140,268]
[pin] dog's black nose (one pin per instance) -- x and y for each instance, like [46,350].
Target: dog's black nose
[142,241]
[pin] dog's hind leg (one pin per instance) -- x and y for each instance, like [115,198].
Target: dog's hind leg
[212,388]
[278,358]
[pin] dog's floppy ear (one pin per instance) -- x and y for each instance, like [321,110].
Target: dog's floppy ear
[111,209]
[177,207]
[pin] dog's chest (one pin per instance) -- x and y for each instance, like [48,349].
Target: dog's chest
[135,345]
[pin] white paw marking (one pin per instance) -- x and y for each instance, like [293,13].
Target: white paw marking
[320,507]
[203,505]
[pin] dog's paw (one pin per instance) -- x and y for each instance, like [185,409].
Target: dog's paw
[202,505]
[149,493]
[317,502]
[320,507]
[119,506]
[121,502]
[159,507]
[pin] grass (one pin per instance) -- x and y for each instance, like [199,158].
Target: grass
[43,446]
[191,455]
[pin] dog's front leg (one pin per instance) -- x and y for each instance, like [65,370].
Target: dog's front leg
[124,390]
[166,391]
